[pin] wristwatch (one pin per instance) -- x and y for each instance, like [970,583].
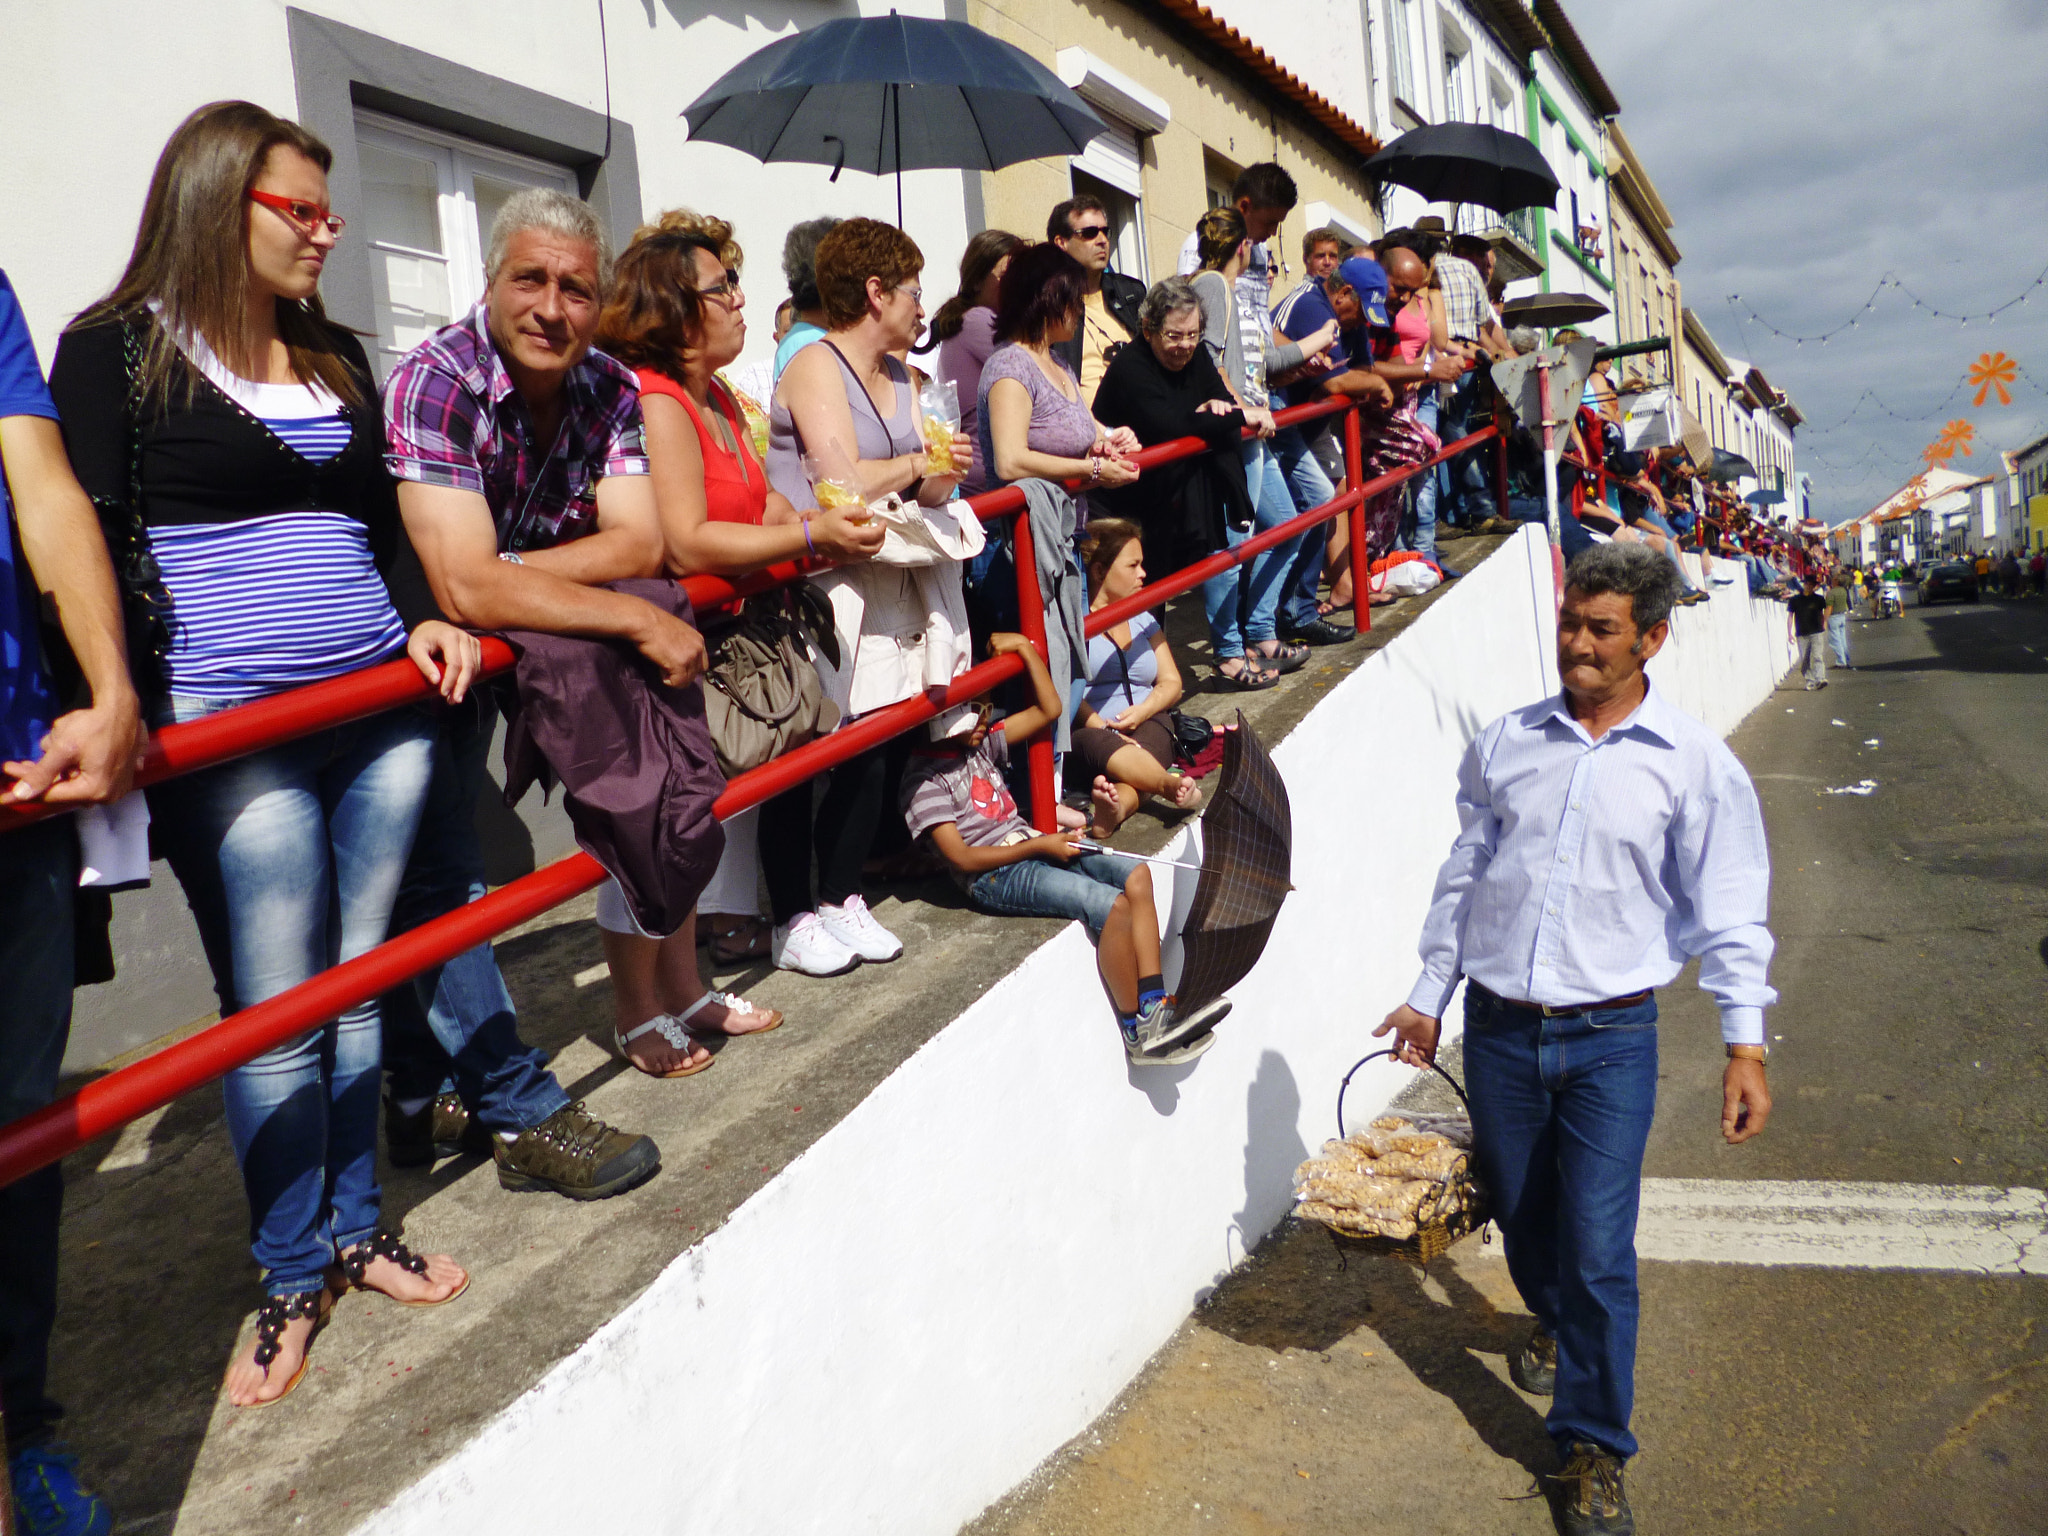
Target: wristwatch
[1757,1052]
[510,557]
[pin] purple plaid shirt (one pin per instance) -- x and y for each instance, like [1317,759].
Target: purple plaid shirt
[453,418]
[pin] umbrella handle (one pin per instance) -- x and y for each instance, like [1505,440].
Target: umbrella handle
[1375,1056]
[839,164]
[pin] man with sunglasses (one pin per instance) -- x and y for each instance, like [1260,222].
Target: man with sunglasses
[1109,312]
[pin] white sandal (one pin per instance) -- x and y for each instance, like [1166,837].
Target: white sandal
[670,1028]
[732,1003]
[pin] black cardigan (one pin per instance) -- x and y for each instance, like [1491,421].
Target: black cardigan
[1184,506]
[204,459]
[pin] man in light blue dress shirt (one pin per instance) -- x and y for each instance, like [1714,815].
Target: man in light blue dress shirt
[1607,838]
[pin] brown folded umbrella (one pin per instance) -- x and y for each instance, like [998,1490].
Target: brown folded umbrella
[1247,851]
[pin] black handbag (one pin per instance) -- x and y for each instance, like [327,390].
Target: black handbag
[1191,734]
[762,695]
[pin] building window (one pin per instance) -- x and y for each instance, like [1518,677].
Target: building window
[1500,103]
[1454,87]
[1399,15]
[1126,223]
[428,202]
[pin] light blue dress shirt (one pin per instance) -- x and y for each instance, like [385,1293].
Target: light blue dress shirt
[1595,869]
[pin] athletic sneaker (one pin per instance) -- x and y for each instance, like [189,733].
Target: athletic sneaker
[854,926]
[809,948]
[48,1500]
[1177,1026]
[1159,1037]
[1187,1050]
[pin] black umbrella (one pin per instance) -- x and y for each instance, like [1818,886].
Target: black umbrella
[893,93]
[1728,466]
[1550,310]
[1468,163]
[1247,853]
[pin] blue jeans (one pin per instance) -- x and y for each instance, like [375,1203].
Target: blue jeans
[38,887]
[1418,523]
[1561,1111]
[1086,888]
[291,860]
[1464,484]
[454,1026]
[1838,637]
[1223,603]
[1311,488]
[1571,533]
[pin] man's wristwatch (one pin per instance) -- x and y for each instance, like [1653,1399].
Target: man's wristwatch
[1749,1053]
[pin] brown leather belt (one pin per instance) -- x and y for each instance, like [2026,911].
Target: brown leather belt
[1569,1010]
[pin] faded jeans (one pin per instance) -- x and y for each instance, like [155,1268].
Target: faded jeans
[291,860]
[1561,1111]
[1311,487]
[1838,637]
[1242,604]
[1086,888]
[1418,523]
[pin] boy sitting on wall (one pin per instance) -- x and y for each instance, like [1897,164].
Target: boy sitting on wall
[955,796]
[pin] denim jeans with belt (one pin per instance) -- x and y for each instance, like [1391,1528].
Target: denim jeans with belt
[291,860]
[38,889]
[454,1026]
[1561,1112]
[1311,487]
[1086,888]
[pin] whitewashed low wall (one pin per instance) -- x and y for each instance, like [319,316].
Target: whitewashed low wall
[896,1330]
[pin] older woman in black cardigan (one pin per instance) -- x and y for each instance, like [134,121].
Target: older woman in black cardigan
[1166,386]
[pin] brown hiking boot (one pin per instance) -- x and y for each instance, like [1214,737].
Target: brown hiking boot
[1589,1500]
[574,1153]
[442,1128]
[1534,1366]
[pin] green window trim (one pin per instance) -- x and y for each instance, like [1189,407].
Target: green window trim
[1571,249]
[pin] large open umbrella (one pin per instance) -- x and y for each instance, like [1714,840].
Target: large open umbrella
[1468,163]
[1550,310]
[893,93]
[1247,854]
[1728,466]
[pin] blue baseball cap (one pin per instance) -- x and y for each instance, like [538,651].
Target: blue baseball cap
[1368,279]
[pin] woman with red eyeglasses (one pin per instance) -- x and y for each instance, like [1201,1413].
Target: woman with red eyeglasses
[231,437]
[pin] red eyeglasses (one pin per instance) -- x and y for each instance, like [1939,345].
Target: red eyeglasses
[302,213]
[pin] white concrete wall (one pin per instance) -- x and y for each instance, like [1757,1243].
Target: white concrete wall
[1724,656]
[94,87]
[1320,41]
[965,1271]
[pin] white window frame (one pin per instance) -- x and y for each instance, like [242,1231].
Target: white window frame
[457,161]
[1401,55]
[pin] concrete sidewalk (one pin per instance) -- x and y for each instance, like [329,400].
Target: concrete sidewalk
[158,1285]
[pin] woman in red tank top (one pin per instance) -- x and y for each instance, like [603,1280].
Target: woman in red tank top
[675,315]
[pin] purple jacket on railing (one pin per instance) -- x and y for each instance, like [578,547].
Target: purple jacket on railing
[633,756]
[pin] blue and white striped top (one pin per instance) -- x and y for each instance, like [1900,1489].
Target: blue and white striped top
[267,603]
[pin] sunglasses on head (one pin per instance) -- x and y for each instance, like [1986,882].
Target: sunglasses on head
[302,213]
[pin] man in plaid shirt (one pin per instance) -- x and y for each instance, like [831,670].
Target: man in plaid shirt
[1465,498]
[523,481]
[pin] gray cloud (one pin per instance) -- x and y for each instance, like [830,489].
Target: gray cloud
[1806,148]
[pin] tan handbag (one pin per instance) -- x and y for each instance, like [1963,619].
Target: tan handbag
[762,696]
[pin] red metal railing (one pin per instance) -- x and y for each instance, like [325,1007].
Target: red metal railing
[109,1102]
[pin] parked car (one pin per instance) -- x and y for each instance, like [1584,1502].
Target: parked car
[1951,578]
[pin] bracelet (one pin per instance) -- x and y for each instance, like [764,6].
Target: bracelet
[1094,468]
[1749,1053]
[510,557]
[813,548]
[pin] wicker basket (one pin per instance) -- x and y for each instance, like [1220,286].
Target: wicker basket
[1433,1238]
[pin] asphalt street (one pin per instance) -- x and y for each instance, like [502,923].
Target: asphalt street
[1910,1041]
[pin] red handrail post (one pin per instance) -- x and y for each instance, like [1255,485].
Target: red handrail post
[1031,622]
[1500,461]
[1361,559]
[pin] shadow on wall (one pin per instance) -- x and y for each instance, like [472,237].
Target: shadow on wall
[778,16]
[1273,1147]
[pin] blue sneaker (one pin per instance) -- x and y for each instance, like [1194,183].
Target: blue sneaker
[48,1500]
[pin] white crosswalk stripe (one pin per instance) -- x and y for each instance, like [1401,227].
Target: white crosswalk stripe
[1971,1227]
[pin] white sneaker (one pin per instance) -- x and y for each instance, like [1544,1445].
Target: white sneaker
[808,947]
[854,926]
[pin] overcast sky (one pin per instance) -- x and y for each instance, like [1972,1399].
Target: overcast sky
[1806,149]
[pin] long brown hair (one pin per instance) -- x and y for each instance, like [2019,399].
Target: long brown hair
[984,253]
[191,254]
[654,313]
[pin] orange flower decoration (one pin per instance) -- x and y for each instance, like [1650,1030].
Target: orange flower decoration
[1957,436]
[1939,451]
[1991,373]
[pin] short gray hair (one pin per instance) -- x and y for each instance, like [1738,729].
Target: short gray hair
[1639,573]
[1169,296]
[1524,339]
[800,260]
[555,211]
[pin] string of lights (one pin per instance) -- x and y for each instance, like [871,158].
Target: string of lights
[1894,281]
[1874,399]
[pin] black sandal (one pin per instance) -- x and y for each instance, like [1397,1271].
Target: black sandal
[271,1318]
[1253,675]
[355,1263]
